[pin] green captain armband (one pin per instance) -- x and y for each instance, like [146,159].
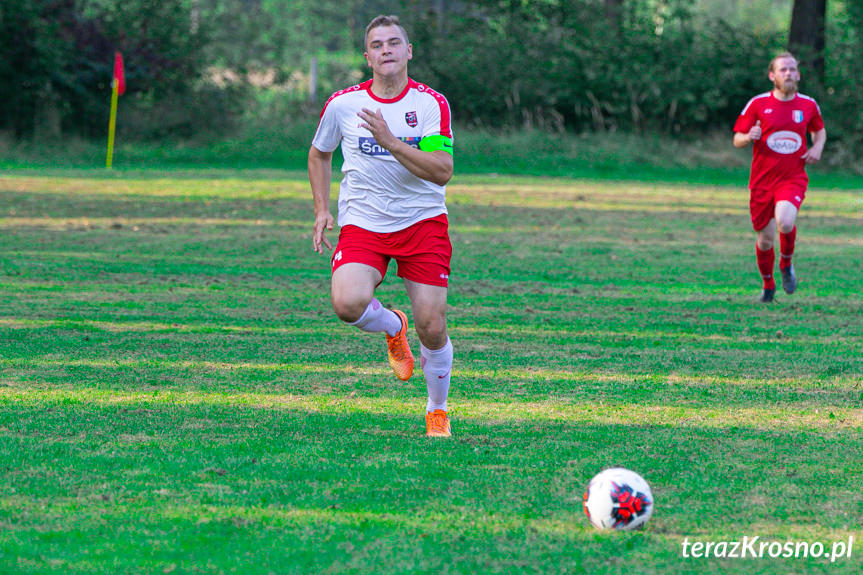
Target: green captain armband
[435,143]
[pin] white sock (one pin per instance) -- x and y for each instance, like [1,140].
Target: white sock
[377,318]
[437,365]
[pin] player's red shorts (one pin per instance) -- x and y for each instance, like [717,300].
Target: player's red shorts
[762,202]
[422,251]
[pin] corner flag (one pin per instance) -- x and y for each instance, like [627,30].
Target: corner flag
[118,86]
[119,74]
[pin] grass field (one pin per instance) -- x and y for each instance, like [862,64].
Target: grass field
[177,396]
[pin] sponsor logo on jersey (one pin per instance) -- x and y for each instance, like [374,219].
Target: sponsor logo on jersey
[797,115]
[768,110]
[411,119]
[370,147]
[784,142]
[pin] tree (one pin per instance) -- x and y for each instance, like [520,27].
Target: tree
[806,38]
[56,58]
[34,56]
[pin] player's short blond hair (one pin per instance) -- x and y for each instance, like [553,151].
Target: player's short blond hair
[779,57]
[382,20]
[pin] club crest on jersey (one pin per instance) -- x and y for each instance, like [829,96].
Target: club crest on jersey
[797,115]
[411,119]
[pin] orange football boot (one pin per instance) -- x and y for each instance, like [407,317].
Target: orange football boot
[437,424]
[399,351]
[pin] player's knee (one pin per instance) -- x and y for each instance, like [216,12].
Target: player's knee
[784,226]
[348,309]
[431,331]
[764,244]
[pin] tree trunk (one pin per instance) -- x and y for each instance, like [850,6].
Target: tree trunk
[806,38]
[440,8]
[47,124]
[614,13]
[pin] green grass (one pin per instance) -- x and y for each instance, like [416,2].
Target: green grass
[177,396]
[697,159]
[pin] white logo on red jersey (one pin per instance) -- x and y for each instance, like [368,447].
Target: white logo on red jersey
[784,142]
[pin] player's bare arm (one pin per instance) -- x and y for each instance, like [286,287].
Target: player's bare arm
[813,154]
[320,175]
[436,166]
[743,139]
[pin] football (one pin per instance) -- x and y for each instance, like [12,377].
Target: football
[618,498]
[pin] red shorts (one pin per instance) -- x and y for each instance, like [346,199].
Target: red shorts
[422,251]
[762,202]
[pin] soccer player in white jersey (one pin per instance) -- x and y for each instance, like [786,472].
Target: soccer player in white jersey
[396,140]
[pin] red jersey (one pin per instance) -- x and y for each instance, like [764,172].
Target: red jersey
[776,157]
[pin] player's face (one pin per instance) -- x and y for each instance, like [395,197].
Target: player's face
[785,75]
[387,52]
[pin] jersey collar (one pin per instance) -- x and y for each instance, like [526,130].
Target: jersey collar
[775,99]
[367,85]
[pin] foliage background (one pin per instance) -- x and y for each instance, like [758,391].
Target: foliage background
[208,70]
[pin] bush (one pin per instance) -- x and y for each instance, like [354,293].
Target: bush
[199,113]
[560,64]
[839,98]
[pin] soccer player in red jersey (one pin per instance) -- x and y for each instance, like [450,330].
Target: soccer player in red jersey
[777,124]
[396,140]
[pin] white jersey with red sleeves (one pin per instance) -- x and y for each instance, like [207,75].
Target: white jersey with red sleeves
[777,156]
[378,193]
